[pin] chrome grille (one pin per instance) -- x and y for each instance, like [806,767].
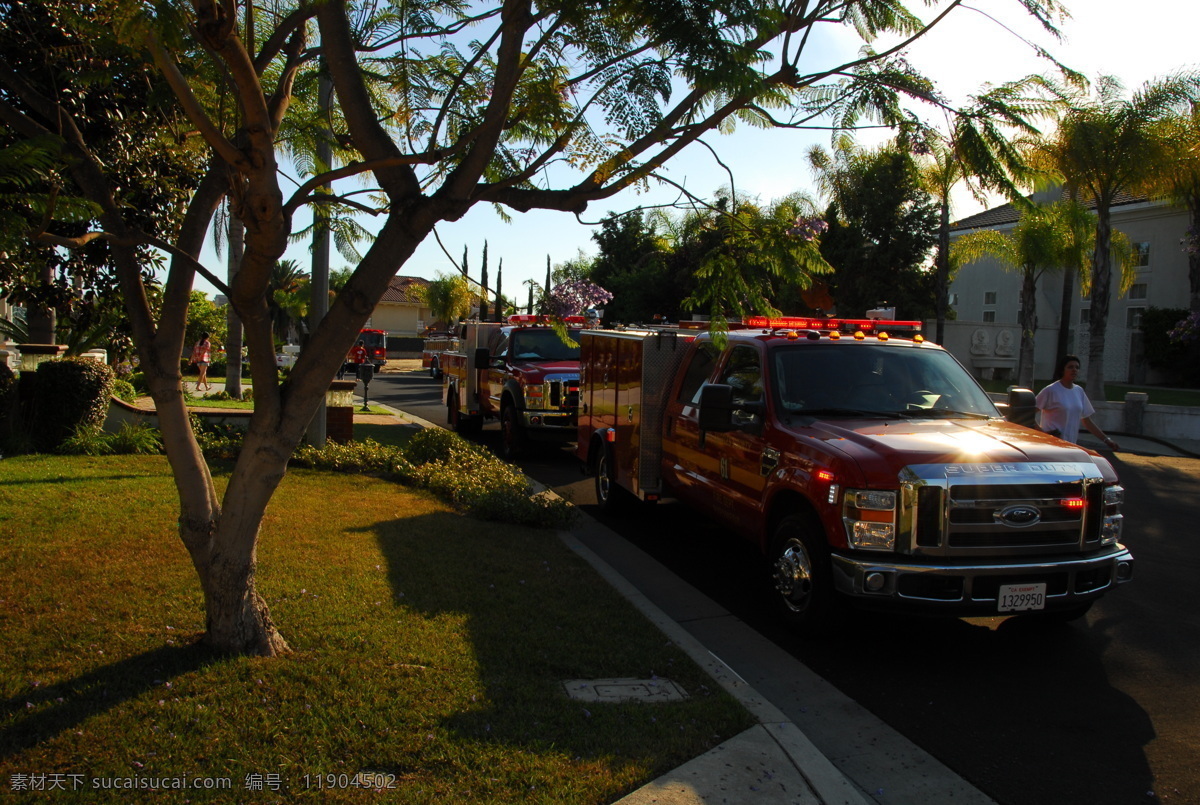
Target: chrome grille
[562,392]
[956,516]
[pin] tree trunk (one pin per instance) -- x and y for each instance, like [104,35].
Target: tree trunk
[1098,320]
[1028,328]
[1064,316]
[233,336]
[942,277]
[1194,255]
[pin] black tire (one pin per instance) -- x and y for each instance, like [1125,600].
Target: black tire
[611,497]
[801,582]
[467,426]
[435,371]
[514,442]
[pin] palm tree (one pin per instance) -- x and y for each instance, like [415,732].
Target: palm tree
[449,297]
[1045,239]
[979,154]
[286,282]
[1107,145]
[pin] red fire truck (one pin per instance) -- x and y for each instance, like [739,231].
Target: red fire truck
[376,343]
[869,469]
[431,352]
[522,373]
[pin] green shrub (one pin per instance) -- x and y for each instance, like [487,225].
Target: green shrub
[481,485]
[217,441]
[123,390]
[433,444]
[136,438]
[362,456]
[86,441]
[138,381]
[69,395]
[10,410]
[1179,362]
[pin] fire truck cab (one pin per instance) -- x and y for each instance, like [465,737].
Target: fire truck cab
[521,373]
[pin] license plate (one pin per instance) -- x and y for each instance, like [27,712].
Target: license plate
[1022,597]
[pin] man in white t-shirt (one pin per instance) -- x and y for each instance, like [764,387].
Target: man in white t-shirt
[1063,406]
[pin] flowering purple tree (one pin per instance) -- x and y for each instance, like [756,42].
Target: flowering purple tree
[1187,331]
[808,228]
[572,297]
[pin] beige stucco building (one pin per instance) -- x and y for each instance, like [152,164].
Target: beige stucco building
[402,312]
[986,298]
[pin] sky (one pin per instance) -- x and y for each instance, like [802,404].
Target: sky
[1136,42]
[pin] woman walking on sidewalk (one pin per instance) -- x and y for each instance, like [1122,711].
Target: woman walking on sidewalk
[202,357]
[1063,406]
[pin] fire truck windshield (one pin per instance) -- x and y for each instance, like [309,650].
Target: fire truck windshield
[857,379]
[543,345]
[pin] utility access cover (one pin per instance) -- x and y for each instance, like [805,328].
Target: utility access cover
[624,690]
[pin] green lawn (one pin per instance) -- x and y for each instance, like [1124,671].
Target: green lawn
[428,647]
[1115,392]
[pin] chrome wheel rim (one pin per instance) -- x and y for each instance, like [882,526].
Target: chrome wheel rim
[793,575]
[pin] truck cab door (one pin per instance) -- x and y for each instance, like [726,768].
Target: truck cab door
[721,470]
[498,350]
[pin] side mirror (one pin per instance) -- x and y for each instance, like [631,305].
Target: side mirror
[716,407]
[1022,408]
[483,358]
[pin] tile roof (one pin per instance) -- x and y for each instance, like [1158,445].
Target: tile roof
[1007,213]
[404,290]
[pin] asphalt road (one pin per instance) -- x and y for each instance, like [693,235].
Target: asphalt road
[1105,711]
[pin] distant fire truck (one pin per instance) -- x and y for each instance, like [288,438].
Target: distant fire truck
[432,349]
[869,469]
[521,373]
[376,343]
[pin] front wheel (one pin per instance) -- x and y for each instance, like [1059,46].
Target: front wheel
[514,440]
[462,425]
[801,585]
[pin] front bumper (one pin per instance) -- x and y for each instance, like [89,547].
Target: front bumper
[550,425]
[972,589]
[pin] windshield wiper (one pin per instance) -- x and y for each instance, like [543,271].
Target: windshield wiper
[848,412]
[945,413]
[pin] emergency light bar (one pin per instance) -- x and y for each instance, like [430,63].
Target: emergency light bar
[833,325]
[535,318]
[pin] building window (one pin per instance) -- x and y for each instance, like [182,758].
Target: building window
[1137,290]
[1141,254]
[1085,315]
[1133,318]
[989,315]
[989,297]
[953,299]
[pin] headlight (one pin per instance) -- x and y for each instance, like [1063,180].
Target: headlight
[870,518]
[535,397]
[1110,530]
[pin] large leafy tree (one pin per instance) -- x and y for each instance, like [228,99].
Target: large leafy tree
[113,99]
[441,106]
[1108,143]
[882,226]
[631,262]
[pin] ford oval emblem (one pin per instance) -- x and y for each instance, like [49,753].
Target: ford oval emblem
[1019,516]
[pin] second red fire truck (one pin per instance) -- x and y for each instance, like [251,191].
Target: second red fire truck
[521,373]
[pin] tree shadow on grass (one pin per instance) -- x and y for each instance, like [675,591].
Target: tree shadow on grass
[42,713]
[537,615]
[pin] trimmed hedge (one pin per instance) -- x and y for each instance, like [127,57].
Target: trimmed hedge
[69,394]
